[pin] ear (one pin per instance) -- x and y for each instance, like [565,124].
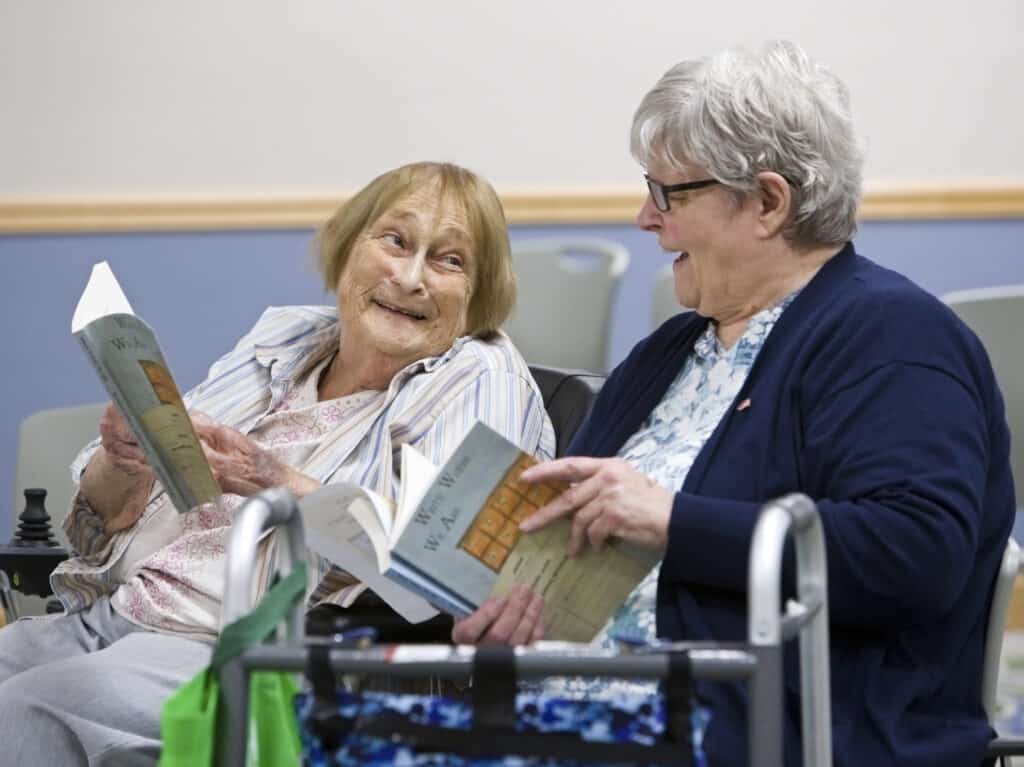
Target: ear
[776,203]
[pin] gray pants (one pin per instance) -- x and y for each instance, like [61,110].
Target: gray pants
[87,689]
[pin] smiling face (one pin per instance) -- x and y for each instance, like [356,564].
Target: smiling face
[406,286]
[717,268]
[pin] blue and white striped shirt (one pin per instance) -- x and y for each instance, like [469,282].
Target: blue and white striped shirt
[431,404]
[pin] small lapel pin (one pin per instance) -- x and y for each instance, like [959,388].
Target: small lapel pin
[743,405]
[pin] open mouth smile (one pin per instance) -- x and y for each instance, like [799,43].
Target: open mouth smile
[394,308]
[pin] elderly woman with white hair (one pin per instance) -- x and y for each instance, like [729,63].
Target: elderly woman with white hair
[802,367]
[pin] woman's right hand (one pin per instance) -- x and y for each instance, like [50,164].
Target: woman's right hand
[513,620]
[119,443]
[118,480]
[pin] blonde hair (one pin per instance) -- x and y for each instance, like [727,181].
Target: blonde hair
[493,293]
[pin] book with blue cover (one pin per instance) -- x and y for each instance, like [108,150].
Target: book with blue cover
[452,539]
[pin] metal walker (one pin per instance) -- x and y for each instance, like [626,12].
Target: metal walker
[758,660]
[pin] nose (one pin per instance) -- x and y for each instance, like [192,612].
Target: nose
[409,272]
[648,217]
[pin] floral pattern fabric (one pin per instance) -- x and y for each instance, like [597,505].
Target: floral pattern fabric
[664,448]
[177,586]
[638,720]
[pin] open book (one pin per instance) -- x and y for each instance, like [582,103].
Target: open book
[453,539]
[125,353]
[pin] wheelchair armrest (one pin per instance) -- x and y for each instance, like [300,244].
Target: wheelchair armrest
[29,567]
[1005,746]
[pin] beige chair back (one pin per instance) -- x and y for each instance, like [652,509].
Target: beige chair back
[665,302]
[48,440]
[567,289]
[997,316]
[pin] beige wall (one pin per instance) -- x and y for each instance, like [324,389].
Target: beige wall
[127,98]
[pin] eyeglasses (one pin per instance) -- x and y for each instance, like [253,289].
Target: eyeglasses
[660,192]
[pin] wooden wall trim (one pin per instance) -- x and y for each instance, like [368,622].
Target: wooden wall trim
[1015,616]
[944,203]
[596,206]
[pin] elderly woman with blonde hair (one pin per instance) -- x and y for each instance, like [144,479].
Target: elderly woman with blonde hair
[803,366]
[412,353]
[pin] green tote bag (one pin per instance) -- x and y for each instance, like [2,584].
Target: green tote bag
[188,721]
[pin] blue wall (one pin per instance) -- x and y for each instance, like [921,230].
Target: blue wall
[201,291]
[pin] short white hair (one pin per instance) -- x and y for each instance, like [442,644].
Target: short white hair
[738,113]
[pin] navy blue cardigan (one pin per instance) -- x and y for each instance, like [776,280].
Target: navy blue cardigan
[870,396]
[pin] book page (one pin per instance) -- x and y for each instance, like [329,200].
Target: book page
[127,357]
[102,297]
[342,525]
[417,475]
[580,593]
[171,430]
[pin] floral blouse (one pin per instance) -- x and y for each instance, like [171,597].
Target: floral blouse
[664,448]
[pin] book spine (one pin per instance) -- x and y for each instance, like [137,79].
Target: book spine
[433,592]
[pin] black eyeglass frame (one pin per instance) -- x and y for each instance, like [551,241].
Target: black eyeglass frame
[660,192]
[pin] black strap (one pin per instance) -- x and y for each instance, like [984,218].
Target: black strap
[678,688]
[325,722]
[493,694]
[319,672]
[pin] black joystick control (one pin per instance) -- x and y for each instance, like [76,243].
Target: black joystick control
[32,554]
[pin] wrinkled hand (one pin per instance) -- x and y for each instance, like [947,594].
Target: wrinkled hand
[608,498]
[123,451]
[118,480]
[513,620]
[239,465]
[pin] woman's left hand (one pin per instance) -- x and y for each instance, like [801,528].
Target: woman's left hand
[242,467]
[607,498]
[515,619]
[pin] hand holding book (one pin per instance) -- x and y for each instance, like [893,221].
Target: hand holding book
[454,541]
[125,353]
[118,481]
[121,445]
[514,619]
[609,500]
[195,458]
[611,514]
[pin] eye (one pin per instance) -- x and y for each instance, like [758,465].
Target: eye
[452,261]
[394,238]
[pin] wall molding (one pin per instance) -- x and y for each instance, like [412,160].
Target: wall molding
[950,202]
[614,205]
[1015,616]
